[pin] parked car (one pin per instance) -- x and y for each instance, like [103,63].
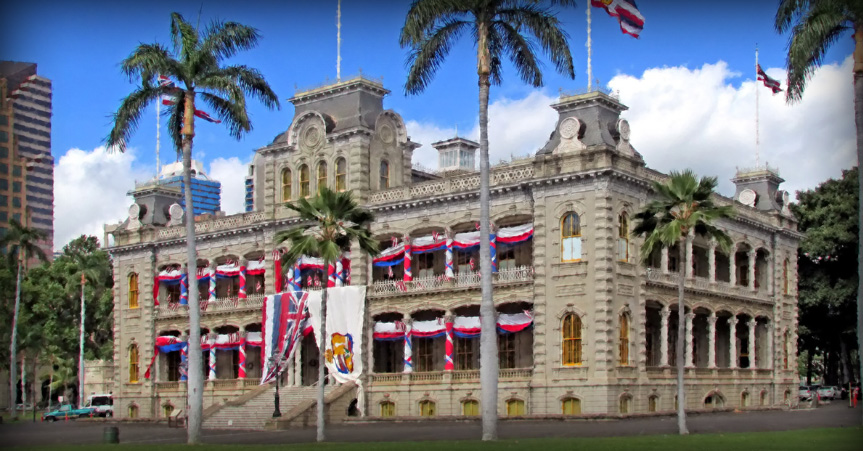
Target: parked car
[68,412]
[102,404]
[828,392]
[804,393]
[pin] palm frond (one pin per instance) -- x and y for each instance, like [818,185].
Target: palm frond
[184,37]
[428,54]
[233,114]
[424,15]
[127,116]
[249,80]
[521,53]
[810,39]
[543,25]
[225,39]
[147,61]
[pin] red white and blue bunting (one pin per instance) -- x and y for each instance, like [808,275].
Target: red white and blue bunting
[462,326]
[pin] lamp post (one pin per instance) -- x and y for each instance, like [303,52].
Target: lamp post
[277,412]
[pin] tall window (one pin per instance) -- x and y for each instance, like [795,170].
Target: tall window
[133,411]
[624,340]
[286,185]
[470,407]
[133,290]
[785,277]
[322,175]
[133,364]
[570,238]
[341,175]
[625,402]
[571,339]
[385,174]
[506,350]
[744,399]
[571,406]
[424,358]
[464,353]
[514,407]
[651,403]
[305,191]
[388,409]
[786,344]
[427,408]
[623,238]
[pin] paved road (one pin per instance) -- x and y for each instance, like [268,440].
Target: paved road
[83,432]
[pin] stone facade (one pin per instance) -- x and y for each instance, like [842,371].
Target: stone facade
[604,323]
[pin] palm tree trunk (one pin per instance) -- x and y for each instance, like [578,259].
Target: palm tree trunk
[81,351]
[681,339]
[195,384]
[488,332]
[13,348]
[322,348]
[858,120]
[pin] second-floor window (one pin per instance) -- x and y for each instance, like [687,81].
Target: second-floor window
[623,238]
[624,340]
[341,175]
[286,185]
[571,339]
[385,174]
[305,190]
[133,364]
[322,175]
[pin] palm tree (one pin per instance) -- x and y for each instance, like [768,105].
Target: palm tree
[334,222]
[684,208]
[21,241]
[815,25]
[195,61]
[430,30]
[90,266]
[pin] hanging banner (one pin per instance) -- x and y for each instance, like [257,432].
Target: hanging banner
[283,318]
[344,341]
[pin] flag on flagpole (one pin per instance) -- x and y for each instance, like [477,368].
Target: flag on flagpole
[626,12]
[203,115]
[166,82]
[771,83]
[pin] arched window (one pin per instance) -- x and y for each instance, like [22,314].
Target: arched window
[744,399]
[625,404]
[515,407]
[385,174]
[305,191]
[786,345]
[571,406]
[785,277]
[286,185]
[388,409]
[470,407]
[427,408]
[133,364]
[133,411]
[133,290]
[623,238]
[341,175]
[322,175]
[652,402]
[624,339]
[570,238]
[571,339]
[763,400]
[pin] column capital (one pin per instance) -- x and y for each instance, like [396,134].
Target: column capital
[752,322]
[690,316]
[732,320]
[712,319]
[752,252]
[665,312]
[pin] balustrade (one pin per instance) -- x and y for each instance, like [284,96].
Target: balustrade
[253,301]
[701,283]
[462,279]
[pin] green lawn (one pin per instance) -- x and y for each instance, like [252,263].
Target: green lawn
[809,440]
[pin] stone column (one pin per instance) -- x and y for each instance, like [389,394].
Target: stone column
[711,338]
[732,342]
[449,348]
[242,292]
[184,360]
[449,272]
[241,373]
[663,259]
[711,262]
[689,340]
[688,256]
[752,323]
[770,357]
[732,266]
[663,336]
[751,254]
[211,293]
[408,354]
[298,364]
[212,338]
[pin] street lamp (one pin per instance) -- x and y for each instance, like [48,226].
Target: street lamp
[274,361]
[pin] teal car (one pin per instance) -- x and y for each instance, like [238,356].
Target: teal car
[67,412]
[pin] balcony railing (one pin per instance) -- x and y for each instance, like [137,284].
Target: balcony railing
[455,377]
[461,280]
[253,301]
[701,283]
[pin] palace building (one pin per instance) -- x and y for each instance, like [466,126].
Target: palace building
[585,327]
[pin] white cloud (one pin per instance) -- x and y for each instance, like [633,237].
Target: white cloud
[231,173]
[696,118]
[90,190]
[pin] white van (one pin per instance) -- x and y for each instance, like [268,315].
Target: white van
[104,404]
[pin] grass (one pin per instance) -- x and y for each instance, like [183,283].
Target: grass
[837,439]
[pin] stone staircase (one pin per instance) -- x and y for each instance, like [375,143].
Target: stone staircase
[252,411]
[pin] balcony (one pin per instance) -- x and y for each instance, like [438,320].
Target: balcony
[252,302]
[702,284]
[448,377]
[520,274]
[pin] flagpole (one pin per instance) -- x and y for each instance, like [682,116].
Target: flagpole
[757,143]
[588,44]
[339,42]
[158,125]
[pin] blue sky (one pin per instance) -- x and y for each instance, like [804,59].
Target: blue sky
[79,46]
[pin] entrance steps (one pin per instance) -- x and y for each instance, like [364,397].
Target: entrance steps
[253,410]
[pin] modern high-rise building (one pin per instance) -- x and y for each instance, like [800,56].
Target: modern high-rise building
[26,164]
[206,193]
[249,202]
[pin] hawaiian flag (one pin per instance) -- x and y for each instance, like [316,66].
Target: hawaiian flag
[166,82]
[390,271]
[395,241]
[627,14]
[771,83]
[435,235]
[284,315]
[203,115]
